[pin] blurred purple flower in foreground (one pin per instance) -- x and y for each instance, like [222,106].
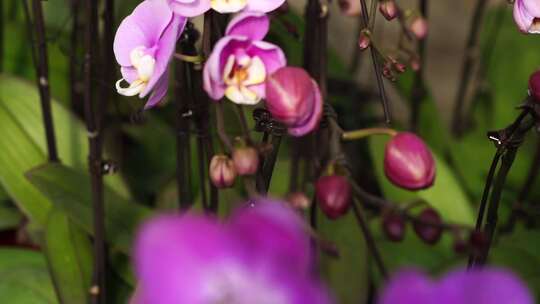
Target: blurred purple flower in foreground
[477,286]
[240,62]
[262,255]
[143,46]
[527,15]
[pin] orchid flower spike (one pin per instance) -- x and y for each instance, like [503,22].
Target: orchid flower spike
[527,16]
[143,46]
[241,62]
[261,255]
[192,8]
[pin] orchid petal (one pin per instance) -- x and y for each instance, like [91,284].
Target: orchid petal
[252,25]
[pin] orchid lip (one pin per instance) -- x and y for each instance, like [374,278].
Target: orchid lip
[135,88]
[240,72]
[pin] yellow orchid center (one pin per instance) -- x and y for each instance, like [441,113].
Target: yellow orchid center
[145,65]
[239,74]
[228,6]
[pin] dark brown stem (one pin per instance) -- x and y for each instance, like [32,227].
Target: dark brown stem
[370,241]
[107,61]
[376,67]
[221,127]
[183,143]
[467,66]
[3,20]
[98,292]
[525,190]
[418,92]
[39,43]
[243,123]
[74,63]
[510,145]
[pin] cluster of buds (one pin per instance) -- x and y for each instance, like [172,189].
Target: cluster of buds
[224,170]
[392,67]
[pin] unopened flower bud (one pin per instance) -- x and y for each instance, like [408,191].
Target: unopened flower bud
[388,9]
[350,7]
[415,63]
[419,27]
[478,242]
[394,226]
[408,162]
[298,200]
[222,171]
[427,227]
[294,99]
[364,40]
[246,160]
[333,195]
[534,86]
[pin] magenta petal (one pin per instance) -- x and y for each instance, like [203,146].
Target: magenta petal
[159,92]
[174,253]
[263,6]
[532,6]
[189,8]
[252,25]
[274,233]
[522,18]
[129,74]
[272,56]
[142,28]
[315,117]
[410,287]
[484,286]
[165,50]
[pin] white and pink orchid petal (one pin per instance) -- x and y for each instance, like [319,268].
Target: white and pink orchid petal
[256,72]
[189,8]
[253,25]
[264,6]
[228,6]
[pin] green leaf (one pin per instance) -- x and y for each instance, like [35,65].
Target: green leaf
[24,277]
[69,256]
[9,218]
[70,191]
[445,195]
[348,274]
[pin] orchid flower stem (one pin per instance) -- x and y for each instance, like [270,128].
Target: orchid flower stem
[467,66]
[221,127]
[39,54]
[418,92]
[3,20]
[363,133]
[243,123]
[183,140]
[107,62]
[525,190]
[370,241]
[510,145]
[373,14]
[377,68]
[98,292]
[263,183]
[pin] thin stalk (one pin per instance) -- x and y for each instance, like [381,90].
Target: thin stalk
[467,66]
[525,190]
[376,67]
[370,241]
[183,143]
[418,92]
[74,70]
[269,163]
[243,122]
[3,20]
[107,61]
[220,120]
[42,75]
[98,292]
[362,133]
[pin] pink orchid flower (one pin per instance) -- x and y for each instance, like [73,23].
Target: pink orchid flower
[192,8]
[143,46]
[527,16]
[240,62]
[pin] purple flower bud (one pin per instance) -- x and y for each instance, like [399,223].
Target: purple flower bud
[333,195]
[294,99]
[298,200]
[427,227]
[222,171]
[388,9]
[246,160]
[408,162]
[534,86]
[419,27]
[394,226]
[364,41]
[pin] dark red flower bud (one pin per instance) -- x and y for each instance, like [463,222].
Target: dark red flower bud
[246,160]
[427,226]
[478,241]
[222,171]
[408,162]
[350,7]
[388,9]
[364,40]
[534,86]
[333,195]
[394,226]
[298,200]
[460,245]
